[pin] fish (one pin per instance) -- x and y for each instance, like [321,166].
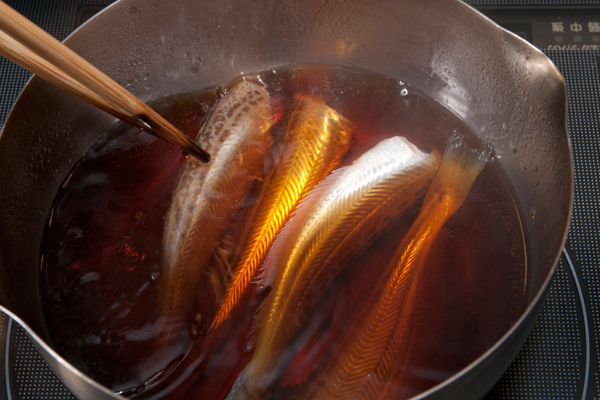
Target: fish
[314,142]
[207,196]
[317,138]
[371,356]
[334,221]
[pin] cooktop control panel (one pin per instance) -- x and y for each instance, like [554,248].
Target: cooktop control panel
[552,28]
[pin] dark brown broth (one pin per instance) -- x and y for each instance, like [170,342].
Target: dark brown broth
[102,250]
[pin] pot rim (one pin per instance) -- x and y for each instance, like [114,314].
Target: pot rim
[541,294]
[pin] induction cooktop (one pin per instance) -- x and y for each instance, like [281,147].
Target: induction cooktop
[560,358]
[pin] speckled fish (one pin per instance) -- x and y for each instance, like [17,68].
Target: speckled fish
[336,219]
[373,352]
[317,139]
[207,195]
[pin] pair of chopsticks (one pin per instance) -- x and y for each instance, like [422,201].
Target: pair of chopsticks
[26,44]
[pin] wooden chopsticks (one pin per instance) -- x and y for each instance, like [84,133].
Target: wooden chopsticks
[26,44]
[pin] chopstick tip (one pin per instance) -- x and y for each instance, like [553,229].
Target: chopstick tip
[198,153]
[171,134]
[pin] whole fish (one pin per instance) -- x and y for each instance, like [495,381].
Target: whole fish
[331,224]
[372,354]
[317,138]
[207,196]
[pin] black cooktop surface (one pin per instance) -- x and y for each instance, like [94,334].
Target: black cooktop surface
[560,359]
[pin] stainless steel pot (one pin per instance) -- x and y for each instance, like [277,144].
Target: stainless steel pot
[507,91]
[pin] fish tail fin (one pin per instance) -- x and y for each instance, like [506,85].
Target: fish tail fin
[458,170]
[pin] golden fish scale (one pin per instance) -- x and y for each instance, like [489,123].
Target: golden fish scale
[312,255]
[320,258]
[318,139]
[207,195]
[364,370]
[368,364]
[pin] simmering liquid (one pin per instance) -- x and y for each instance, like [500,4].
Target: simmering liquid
[102,251]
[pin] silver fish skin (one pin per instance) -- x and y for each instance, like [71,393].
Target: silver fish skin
[335,220]
[370,361]
[207,196]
